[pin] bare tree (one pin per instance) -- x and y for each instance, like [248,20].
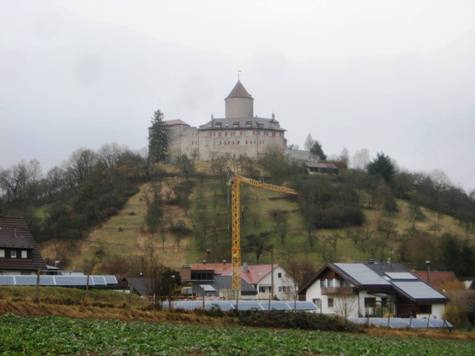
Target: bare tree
[346,304]
[308,142]
[360,159]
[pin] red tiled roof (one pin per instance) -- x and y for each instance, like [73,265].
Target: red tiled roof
[437,278]
[252,275]
[239,92]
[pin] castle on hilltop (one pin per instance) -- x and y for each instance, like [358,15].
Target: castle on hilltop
[239,133]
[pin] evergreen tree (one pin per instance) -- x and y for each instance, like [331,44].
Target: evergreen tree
[382,166]
[157,139]
[317,150]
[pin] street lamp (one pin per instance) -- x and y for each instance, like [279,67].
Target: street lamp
[428,271]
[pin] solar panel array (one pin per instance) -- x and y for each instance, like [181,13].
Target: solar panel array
[403,323]
[362,274]
[58,280]
[418,290]
[226,305]
[401,275]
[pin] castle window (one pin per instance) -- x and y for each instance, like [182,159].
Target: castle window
[237,142]
[273,133]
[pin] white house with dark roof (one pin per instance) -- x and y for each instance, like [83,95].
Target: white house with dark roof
[356,290]
[239,133]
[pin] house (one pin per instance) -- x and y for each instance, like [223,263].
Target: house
[258,277]
[221,287]
[19,253]
[356,290]
[321,168]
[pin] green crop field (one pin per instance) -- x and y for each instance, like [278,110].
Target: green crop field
[58,335]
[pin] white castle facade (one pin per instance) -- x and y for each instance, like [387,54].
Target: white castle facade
[239,133]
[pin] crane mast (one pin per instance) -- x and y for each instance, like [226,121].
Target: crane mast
[236,182]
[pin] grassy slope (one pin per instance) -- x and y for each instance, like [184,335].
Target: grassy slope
[124,235]
[59,335]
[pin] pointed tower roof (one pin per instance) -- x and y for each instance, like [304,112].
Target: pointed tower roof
[239,92]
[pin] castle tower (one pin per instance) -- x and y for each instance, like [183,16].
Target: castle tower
[239,103]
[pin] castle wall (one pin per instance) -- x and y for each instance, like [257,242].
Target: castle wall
[235,143]
[239,108]
[182,140]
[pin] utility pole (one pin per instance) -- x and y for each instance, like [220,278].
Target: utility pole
[271,294]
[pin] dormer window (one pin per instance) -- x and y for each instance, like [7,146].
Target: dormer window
[13,254]
[2,253]
[249,123]
[217,124]
[24,254]
[236,124]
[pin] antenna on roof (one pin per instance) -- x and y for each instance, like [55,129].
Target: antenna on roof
[239,74]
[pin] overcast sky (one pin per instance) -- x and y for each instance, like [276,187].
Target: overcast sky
[391,76]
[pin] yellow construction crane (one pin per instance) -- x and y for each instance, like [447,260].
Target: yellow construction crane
[236,181]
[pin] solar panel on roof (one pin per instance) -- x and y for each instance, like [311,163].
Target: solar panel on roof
[98,280]
[207,288]
[25,280]
[111,279]
[7,280]
[279,306]
[47,280]
[401,323]
[248,305]
[401,275]
[71,280]
[362,274]
[418,290]
[303,306]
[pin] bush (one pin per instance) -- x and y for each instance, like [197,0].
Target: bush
[295,320]
[338,216]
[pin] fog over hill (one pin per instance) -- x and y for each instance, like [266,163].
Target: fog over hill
[69,79]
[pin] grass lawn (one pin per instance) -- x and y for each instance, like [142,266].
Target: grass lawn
[59,335]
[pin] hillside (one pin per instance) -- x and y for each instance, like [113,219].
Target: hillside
[122,242]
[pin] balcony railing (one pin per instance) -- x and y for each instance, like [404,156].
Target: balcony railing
[337,290]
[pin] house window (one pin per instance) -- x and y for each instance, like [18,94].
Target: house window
[13,254]
[24,254]
[425,309]
[279,275]
[317,302]
[370,302]
[2,253]
[330,302]
[384,302]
